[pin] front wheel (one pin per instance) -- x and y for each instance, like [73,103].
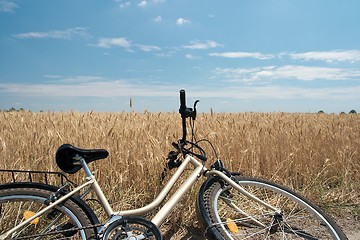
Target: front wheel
[228,214]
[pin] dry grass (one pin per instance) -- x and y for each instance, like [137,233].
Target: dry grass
[316,154]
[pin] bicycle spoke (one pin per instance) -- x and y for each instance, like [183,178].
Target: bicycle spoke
[297,219]
[65,221]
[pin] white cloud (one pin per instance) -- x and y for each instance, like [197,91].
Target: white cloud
[329,56]
[143,4]
[256,55]
[7,6]
[52,76]
[313,73]
[69,33]
[148,48]
[146,3]
[95,86]
[202,44]
[192,57]
[72,79]
[158,19]
[112,42]
[283,92]
[125,4]
[182,21]
[303,73]
[87,86]
[123,42]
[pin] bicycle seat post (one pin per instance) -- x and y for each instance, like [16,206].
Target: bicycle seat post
[84,165]
[100,194]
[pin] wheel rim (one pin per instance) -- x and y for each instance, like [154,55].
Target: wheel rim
[27,203]
[293,209]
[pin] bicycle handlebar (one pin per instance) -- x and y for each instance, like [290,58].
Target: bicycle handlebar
[182,111]
[185,113]
[182,101]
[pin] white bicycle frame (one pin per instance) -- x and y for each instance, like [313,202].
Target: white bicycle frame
[199,169]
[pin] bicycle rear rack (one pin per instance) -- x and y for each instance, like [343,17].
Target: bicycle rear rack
[34,176]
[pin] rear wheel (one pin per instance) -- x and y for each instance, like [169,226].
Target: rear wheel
[65,221]
[228,214]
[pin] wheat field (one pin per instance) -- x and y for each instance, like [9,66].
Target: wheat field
[315,154]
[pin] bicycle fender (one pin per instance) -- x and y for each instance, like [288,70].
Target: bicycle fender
[210,232]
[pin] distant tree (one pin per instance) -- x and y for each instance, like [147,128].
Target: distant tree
[12,109]
[321,111]
[352,112]
[342,113]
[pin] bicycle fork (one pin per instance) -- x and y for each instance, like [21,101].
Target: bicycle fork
[228,180]
[249,195]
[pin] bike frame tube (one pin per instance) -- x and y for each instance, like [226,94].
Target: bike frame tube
[242,190]
[199,169]
[101,196]
[165,210]
[95,186]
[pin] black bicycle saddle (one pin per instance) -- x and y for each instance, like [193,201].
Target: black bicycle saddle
[66,153]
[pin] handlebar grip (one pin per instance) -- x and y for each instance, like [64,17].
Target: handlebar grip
[182,100]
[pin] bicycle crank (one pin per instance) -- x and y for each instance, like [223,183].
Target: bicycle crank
[131,228]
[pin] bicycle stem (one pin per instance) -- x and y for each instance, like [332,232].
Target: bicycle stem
[183,140]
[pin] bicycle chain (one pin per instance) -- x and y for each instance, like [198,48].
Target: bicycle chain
[59,232]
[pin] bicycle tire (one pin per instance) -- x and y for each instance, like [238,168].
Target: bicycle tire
[65,221]
[299,218]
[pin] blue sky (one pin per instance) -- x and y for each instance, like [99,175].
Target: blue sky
[235,55]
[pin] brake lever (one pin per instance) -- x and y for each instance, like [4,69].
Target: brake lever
[176,146]
[194,111]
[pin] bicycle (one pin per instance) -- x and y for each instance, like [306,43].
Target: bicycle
[229,205]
